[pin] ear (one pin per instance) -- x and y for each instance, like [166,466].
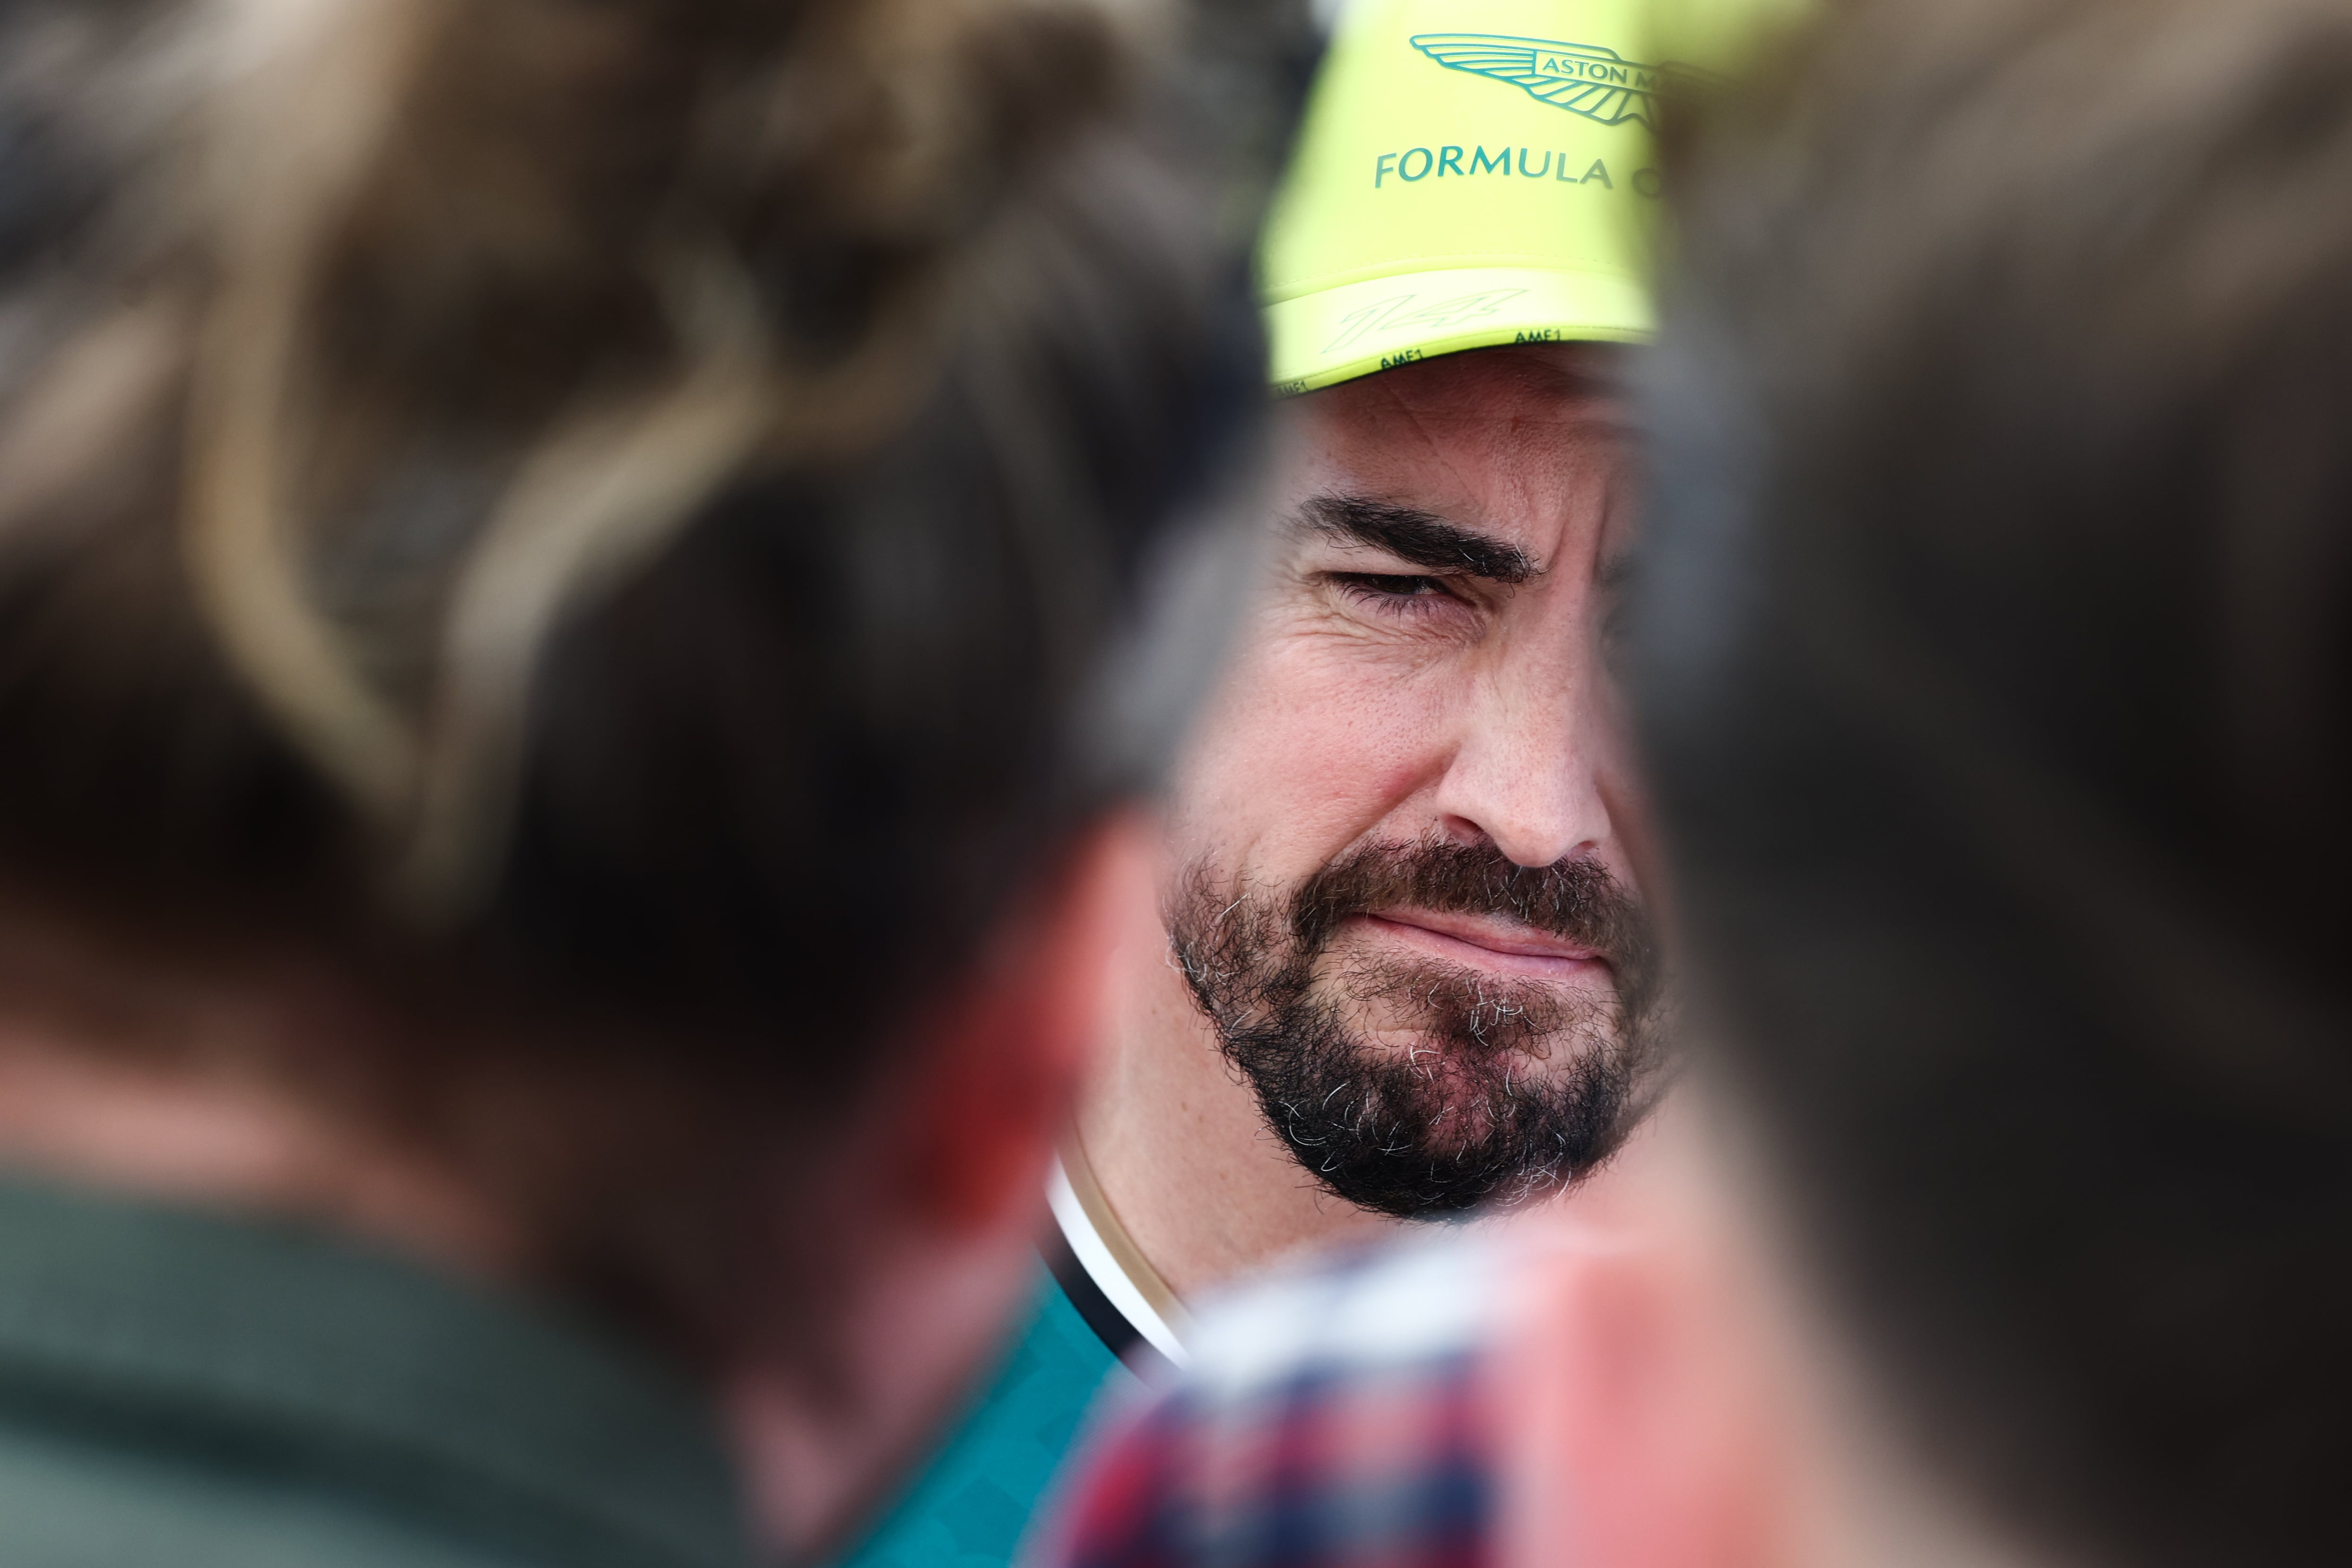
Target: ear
[1013,1046]
[918,1239]
[1634,1405]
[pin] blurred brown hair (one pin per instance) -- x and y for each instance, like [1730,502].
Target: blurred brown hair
[588,527]
[1996,661]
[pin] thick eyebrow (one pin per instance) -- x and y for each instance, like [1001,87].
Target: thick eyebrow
[1422,538]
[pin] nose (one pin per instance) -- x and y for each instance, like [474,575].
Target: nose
[1526,768]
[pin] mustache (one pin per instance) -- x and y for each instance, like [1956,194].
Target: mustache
[1578,900]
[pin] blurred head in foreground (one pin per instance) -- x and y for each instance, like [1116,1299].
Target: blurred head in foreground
[1995,660]
[555,567]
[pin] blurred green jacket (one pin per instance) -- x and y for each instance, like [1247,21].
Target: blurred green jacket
[194,1391]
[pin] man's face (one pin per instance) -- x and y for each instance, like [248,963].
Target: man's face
[1405,903]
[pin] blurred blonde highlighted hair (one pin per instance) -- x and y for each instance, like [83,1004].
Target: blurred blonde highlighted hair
[334,157]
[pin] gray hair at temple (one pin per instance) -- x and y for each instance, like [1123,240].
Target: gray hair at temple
[1995,659]
[610,519]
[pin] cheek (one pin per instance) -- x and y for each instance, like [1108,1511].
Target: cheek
[1310,746]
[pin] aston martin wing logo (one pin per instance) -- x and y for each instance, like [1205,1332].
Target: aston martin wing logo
[1583,79]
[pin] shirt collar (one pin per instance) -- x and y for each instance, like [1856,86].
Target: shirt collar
[1112,1261]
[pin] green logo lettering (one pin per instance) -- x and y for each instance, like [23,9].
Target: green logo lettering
[1583,79]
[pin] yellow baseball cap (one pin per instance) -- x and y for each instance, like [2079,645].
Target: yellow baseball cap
[1468,172]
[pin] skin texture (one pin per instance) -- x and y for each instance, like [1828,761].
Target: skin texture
[919,1215]
[1374,700]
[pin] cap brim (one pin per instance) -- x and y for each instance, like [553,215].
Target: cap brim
[1321,336]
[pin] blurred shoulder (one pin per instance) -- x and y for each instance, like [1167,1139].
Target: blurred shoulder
[1335,1402]
[1369,1310]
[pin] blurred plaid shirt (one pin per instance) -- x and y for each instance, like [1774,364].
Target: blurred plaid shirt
[1337,1417]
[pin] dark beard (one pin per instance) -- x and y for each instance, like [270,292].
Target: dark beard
[1509,1088]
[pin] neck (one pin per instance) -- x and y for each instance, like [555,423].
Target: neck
[1856,1491]
[224,1141]
[1863,1495]
[1863,1508]
[1202,1185]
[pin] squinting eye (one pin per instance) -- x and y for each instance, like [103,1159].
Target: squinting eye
[1380,585]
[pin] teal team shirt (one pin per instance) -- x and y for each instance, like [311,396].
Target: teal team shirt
[972,1507]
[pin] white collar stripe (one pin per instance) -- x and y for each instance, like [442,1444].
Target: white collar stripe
[1095,1257]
